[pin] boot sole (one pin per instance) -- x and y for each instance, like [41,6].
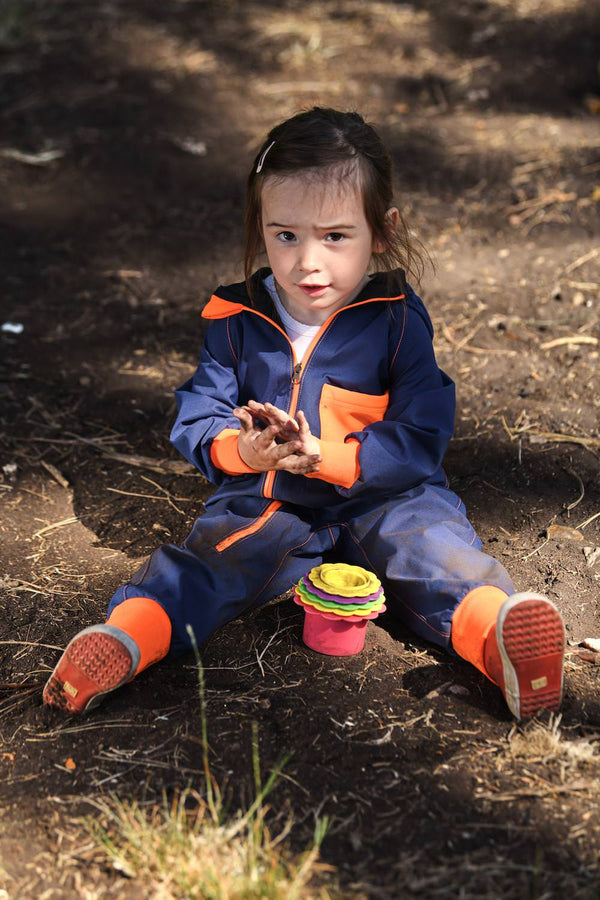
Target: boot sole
[97,661]
[531,640]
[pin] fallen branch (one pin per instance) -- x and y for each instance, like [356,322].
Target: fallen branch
[528,208]
[162,466]
[56,474]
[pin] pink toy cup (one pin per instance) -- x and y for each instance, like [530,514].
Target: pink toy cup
[334,638]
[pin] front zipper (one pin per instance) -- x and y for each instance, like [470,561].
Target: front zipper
[297,372]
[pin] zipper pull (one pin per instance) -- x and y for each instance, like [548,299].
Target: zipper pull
[297,370]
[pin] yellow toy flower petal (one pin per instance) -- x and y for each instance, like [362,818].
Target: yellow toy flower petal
[344,580]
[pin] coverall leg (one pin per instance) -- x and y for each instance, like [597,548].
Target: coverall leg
[426,553]
[240,554]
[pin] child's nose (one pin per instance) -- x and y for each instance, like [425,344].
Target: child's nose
[308,257]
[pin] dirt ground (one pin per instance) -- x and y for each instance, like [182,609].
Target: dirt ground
[127,130]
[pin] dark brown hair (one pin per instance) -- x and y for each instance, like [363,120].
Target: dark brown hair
[326,139]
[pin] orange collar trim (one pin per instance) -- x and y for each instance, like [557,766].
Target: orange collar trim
[218,308]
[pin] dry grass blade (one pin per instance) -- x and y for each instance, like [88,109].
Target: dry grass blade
[32,644]
[545,742]
[539,792]
[478,351]
[572,339]
[589,520]
[581,486]
[542,437]
[63,522]
[581,260]
[178,852]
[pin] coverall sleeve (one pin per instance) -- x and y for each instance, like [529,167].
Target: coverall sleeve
[205,417]
[407,447]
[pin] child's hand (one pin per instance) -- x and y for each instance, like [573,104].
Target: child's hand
[309,444]
[289,429]
[259,449]
[269,414]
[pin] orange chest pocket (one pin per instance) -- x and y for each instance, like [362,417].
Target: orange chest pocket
[342,411]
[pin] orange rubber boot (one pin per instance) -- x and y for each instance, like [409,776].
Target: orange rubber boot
[473,620]
[524,654]
[101,658]
[148,624]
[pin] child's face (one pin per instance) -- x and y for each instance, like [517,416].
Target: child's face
[318,242]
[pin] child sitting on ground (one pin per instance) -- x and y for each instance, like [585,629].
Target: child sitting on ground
[320,414]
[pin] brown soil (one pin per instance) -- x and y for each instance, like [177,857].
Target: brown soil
[148,113]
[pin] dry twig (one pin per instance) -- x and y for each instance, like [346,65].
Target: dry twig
[581,260]
[572,339]
[575,503]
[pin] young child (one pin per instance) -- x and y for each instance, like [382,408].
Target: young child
[320,414]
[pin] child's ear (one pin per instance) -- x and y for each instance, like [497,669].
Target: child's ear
[392,217]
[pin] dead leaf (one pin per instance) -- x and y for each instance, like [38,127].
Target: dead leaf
[592,104]
[588,656]
[592,644]
[592,554]
[438,691]
[563,533]
[459,689]
[589,651]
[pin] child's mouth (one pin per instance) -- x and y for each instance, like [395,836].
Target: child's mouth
[313,290]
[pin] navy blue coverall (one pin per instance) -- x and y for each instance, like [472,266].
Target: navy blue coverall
[383,412]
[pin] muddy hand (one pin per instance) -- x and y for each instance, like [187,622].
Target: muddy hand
[269,414]
[259,450]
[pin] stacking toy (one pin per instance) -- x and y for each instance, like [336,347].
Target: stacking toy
[338,601]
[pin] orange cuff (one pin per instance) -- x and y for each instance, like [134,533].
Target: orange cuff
[146,622]
[225,454]
[472,621]
[339,463]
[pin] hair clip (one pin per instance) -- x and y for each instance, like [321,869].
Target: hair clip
[262,158]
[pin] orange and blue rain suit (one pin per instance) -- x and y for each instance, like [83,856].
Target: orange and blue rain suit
[383,412]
